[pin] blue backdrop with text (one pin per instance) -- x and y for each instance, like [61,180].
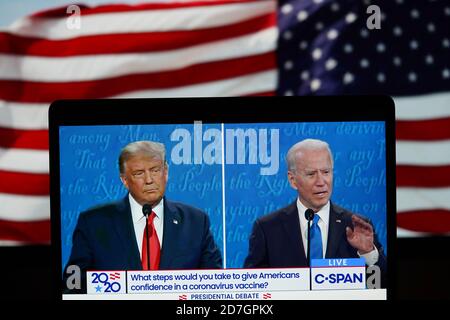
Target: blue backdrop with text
[254,172]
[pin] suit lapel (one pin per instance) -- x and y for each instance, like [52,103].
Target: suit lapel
[123,223]
[291,224]
[336,230]
[172,224]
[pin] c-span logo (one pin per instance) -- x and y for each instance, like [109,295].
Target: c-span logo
[338,274]
[106,282]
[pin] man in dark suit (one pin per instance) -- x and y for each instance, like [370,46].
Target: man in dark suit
[114,237]
[280,240]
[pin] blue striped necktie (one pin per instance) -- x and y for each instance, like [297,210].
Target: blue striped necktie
[316,239]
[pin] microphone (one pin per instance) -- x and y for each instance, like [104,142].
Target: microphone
[309,215]
[146,210]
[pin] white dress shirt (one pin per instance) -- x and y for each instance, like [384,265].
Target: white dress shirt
[324,218]
[139,221]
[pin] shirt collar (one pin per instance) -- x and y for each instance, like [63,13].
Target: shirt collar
[136,209]
[323,213]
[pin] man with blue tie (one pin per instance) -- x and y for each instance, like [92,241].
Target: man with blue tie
[144,230]
[279,239]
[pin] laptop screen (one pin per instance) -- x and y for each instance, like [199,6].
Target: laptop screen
[229,182]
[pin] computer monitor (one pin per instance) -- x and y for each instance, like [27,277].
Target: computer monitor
[232,225]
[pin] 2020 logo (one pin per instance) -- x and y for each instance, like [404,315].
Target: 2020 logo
[106,282]
[103,278]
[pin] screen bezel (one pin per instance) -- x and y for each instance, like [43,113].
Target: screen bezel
[220,110]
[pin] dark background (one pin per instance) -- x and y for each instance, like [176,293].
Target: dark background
[421,270]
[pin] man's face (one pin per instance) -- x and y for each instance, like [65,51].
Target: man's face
[145,178]
[313,177]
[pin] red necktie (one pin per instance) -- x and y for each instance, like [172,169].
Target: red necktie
[154,246]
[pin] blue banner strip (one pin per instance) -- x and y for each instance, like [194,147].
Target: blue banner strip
[351,262]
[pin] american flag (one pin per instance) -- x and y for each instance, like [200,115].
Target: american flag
[228,48]
[326,47]
[114,275]
[267,296]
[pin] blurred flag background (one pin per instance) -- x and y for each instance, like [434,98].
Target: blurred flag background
[224,48]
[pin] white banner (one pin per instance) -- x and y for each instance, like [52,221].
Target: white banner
[218,281]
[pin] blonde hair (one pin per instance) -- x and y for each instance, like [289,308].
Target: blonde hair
[149,148]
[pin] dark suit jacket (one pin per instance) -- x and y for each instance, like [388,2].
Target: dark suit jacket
[275,241]
[104,239]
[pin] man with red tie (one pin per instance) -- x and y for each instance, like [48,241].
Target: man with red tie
[114,236]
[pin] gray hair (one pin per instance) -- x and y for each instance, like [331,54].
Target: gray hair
[149,148]
[307,144]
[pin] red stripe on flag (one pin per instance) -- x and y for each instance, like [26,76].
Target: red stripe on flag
[35,184]
[130,42]
[262,94]
[36,232]
[423,130]
[433,221]
[24,139]
[85,10]
[423,176]
[30,91]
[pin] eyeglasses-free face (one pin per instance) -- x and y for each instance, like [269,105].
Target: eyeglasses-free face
[145,178]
